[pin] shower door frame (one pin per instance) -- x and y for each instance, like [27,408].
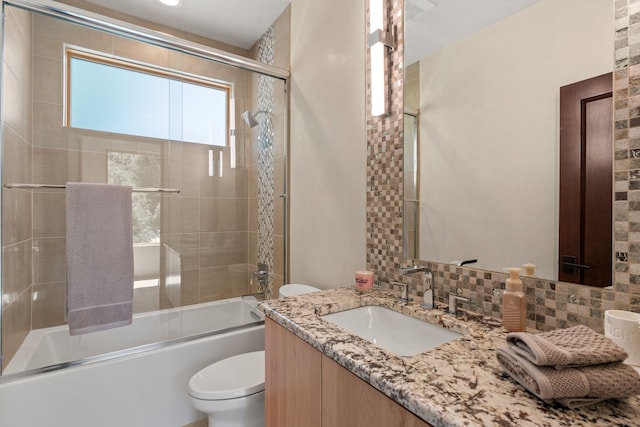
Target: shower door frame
[142,34]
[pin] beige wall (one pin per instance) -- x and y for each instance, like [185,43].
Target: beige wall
[490,135]
[328,151]
[16,205]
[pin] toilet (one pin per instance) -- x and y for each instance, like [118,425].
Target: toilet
[293,289]
[231,391]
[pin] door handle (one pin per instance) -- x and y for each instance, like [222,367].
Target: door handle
[570,266]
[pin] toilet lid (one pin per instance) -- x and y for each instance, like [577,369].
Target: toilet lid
[230,378]
[295,289]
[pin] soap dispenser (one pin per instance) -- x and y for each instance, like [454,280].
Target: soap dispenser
[513,303]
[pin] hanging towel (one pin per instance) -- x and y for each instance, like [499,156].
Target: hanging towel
[571,387]
[561,348]
[99,257]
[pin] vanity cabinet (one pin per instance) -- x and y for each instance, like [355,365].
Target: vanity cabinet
[305,388]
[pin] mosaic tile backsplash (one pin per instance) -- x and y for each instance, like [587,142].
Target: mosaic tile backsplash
[550,305]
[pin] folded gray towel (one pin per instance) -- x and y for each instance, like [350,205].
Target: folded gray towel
[571,387]
[561,348]
[99,257]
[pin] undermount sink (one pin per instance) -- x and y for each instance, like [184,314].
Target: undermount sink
[395,332]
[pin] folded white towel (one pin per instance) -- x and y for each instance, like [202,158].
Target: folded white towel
[99,257]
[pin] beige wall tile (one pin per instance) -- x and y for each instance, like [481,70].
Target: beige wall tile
[220,249]
[53,166]
[232,184]
[187,245]
[17,36]
[223,214]
[49,260]
[16,216]
[253,215]
[183,214]
[16,270]
[16,99]
[16,323]
[47,80]
[49,215]
[18,152]
[217,283]
[48,304]
[51,33]
[142,52]
[279,255]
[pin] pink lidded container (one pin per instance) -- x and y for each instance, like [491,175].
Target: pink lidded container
[364,281]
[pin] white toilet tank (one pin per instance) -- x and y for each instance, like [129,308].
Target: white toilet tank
[293,289]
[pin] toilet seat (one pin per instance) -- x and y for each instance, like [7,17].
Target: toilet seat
[231,378]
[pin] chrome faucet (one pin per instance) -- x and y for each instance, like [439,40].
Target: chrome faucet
[262,275]
[453,301]
[428,299]
[414,269]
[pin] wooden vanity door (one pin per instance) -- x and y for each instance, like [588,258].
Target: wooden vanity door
[586,182]
[292,380]
[347,401]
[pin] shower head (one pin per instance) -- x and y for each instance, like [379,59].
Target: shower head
[250,118]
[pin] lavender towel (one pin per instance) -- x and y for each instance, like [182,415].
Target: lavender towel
[99,257]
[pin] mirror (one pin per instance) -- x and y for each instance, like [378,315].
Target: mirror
[487,103]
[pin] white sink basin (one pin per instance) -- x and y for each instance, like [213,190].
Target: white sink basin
[392,331]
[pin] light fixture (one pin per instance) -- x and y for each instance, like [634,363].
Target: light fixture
[170,2]
[379,40]
[232,133]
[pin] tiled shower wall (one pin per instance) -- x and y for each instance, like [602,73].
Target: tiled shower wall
[269,151]
[193,223]
[550,304]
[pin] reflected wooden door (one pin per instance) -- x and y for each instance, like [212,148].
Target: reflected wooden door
[586,182]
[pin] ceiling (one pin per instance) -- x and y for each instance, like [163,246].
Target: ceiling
[236,22]
[431,24]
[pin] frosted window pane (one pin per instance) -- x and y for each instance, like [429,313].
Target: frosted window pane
[113,99]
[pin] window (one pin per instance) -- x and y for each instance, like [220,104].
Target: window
[138,170]
[113,95]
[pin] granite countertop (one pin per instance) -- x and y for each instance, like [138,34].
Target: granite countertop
[456,384]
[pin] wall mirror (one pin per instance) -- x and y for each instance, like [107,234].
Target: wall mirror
[485,181]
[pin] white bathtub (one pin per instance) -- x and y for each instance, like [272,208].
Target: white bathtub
[146,388]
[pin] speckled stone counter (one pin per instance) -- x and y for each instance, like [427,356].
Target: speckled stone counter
[456,384]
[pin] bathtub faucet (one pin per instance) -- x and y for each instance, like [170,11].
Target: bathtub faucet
[262,275]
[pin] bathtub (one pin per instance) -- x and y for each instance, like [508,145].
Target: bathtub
[135,375]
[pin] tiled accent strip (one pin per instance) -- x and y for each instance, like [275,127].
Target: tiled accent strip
[384,163]
[550,305]
[265,161]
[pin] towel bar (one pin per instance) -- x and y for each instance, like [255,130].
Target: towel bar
[135,190]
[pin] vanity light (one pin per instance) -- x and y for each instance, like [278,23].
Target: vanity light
[379,39]
[170,2]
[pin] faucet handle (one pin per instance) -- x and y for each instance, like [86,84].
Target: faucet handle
[404,291]
[453,301]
